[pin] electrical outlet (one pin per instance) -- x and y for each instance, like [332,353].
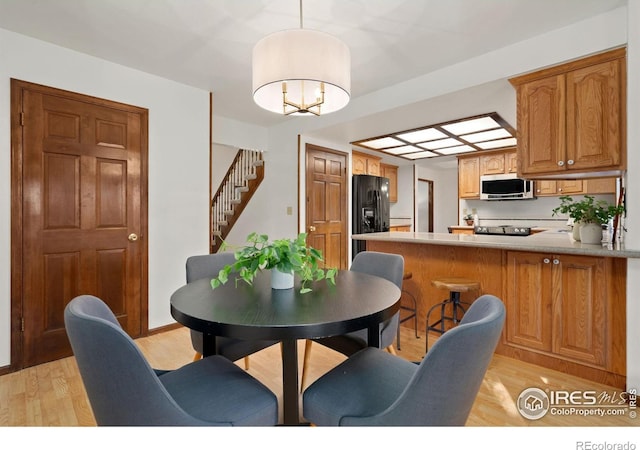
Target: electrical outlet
[289,210]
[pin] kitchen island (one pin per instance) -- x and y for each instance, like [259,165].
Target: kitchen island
[566,302]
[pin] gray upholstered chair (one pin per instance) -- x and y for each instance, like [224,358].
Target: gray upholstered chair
[375,388]
[384,265]
[123,389]
[208,266]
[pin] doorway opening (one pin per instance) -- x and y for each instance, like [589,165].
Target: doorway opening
[424,206]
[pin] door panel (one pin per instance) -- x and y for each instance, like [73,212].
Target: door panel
[326,194]
[83,195]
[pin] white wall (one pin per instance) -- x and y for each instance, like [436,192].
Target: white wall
[445,195]
[178,159]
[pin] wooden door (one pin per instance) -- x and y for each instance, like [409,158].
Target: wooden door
[492,164]
[569,187]
[469,177]
[580,309]
[541,125]
[594,116]
[326,198]
[529,300]
[82,193]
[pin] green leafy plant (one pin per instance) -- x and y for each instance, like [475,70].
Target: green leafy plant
[588,210]
[286,255]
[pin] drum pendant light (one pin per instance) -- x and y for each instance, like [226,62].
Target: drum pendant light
[301,72]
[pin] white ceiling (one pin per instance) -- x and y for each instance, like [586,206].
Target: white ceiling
[208,43]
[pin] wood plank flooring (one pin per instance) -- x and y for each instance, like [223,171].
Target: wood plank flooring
[52,394]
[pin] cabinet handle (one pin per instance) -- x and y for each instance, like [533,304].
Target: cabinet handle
[561,163]
[546,260]
[556,261]
[570,162]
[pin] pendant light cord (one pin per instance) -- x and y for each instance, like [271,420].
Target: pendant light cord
[300,14]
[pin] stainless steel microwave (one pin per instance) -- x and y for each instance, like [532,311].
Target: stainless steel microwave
[505,187]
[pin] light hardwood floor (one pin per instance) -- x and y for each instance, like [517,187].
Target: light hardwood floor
[52,394]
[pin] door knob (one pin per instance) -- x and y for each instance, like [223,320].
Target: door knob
[312,228]
[133,237]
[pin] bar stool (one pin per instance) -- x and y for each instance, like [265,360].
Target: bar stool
[413,311]
[455,286]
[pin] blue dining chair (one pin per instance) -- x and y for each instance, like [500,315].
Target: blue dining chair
[384,265]
[124,390]
[208,266]
[375,388]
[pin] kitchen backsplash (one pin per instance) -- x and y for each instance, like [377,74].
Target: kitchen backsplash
[527,213]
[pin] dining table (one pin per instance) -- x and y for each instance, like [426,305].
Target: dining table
[239,310]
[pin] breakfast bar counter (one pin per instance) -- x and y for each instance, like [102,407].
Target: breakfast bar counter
[555,240]
[566,301]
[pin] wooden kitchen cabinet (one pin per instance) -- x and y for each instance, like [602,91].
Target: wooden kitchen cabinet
[571,118]
[511,162]
[546,188]
[559,305]
[363,164]
[469,177]
[400,228]
[499,162]
[391,172]
[492,164]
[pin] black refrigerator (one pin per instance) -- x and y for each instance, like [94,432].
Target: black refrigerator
[370,212]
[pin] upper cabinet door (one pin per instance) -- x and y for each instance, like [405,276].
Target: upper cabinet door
[541,125]
[594,116]
[571,118]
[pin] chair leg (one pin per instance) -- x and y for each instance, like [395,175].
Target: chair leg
[197,356]
[391,350]
[246,363]
[305,362]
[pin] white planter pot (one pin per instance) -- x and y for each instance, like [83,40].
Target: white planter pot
[576,231]
[281,280]
[591,233]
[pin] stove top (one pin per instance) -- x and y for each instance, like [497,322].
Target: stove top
[505,230]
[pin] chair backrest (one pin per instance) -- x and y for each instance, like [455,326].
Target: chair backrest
[122,387]
[391,267]
[207,266]
[442,391]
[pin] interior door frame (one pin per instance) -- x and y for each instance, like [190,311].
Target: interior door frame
[429,204]
[302,193]
[17,194]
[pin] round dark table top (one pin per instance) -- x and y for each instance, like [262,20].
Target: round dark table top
[241,311]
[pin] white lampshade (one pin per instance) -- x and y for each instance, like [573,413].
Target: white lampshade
[303,59]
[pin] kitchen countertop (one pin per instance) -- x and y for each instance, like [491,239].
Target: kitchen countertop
[554,240]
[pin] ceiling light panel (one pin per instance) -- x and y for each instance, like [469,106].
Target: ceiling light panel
[487,135]
[428,134]
[383,143]
[456,150]
[502,143]
[478,133]
[442,143]
[471,126]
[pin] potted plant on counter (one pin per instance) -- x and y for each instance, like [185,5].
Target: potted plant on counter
[284,257]
[468,218]
[588,215]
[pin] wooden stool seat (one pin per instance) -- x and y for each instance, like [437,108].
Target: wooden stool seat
[455,286]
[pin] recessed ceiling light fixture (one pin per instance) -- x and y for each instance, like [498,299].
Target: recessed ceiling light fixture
[301,72]
[485,132]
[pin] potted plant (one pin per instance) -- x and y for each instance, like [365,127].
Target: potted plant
[589,215]
[284,257]
[468,218]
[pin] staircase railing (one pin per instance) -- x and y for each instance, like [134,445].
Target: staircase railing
[242,179]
